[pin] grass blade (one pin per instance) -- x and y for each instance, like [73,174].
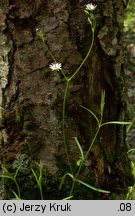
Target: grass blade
[68,198]
[17,171]
[102,105]
[63,179]
[130,150]
[92,113]
[6,176]
[91,187]
[116,122]
[16,196]
[35,175]
[79,147]
[130,126]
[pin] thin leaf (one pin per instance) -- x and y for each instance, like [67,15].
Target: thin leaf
[35,175]
[16,196]
[102,105]
[40,173]
[39,179]
[17,171]
[86,12]
[130,126]
[92,113]
[79,147]
[89,20]
[79,162]
[116,122]
[63,179]
[68,198]
[6,171]
[5,176]
[92,188]
[4,168]
[130,150]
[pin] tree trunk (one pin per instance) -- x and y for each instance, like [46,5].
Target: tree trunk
[32,95]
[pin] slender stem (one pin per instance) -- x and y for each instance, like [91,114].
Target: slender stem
[52,56]
[46,47]
[63,124]
[64,103]
[89,51]
[85,157]
[65,97]
[93,141]
[62,72]
[18,189]
[41,192]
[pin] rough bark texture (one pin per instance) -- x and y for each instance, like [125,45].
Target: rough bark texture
[31,96]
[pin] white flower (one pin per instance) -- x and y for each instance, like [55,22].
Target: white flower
[55,66]
[90,7]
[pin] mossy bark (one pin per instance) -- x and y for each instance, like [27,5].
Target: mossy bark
[32,96]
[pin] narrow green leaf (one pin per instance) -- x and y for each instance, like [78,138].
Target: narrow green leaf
[78,163]
[68,198]
[102,105]
[130,150]
[36,177]
[40,172]
[130,126]
[63,179]
[92,188]
[86,12]
[5,171]
[16,196]
[92,113]
[4,168]
[116,122]
[5,176]
[79,147]
[17,171]
[89,20]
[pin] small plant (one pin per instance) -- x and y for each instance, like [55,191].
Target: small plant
[39,178]
[58,67]
[83,156]
[38,175]
[130,126]
[130,194]
[75,177]
[131,190]
[8,175]
[55,66]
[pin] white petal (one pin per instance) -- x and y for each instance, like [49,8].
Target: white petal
[55,66]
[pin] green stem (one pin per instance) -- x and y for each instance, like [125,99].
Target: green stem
[18,189]
[41,192]
[85,157]
[89,51]
[63,124]
[65,97]
[62,72]
[46,47]
[93,141]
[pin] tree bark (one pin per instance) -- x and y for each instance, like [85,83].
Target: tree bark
[32,95]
